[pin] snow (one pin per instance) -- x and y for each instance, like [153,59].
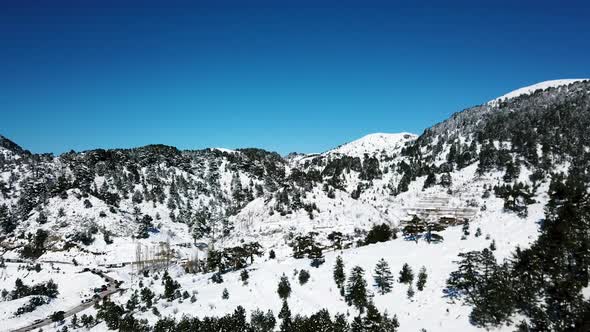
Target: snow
[428,309]
[224,150]
[259,221]
[72,286]
[532,88]
[373,144]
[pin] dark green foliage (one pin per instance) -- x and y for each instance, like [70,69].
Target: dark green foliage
[217,278]
[383,277]
[406,276]
[303,277]
[410,293]
[339,276]
[422,276]
[374,321]
[57,316]
[261,322]
[225,294]
[30,306]
[485,285]
[133,302]
[111,314]
[244,276]
[336,239]
[233,258]
[305,245]
[414,228]
[284,288]
[147,296]
[170,286]
[7,220]
[379,233]
[48,289]
[36,245]
[356,289]
[429,181]
[516,197]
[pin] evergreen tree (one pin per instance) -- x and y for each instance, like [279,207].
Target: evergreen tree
[422,276]
[225,294]
[478,232]
[285,315]
[356,290]
[383,277]
[284,288]
[244,276]
[430,181]
[379,233]
[406,276]
[413,228]
[147,296]
[7,222]
[432,228]
[303,277]
[132,302]
[339,276]
[261,322]
[410,292]
[170,286]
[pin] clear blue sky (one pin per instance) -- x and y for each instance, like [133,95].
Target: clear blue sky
[301,77]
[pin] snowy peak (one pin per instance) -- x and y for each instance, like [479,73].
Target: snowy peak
[374,144]
[539,86]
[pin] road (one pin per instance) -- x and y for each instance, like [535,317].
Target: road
[111,289]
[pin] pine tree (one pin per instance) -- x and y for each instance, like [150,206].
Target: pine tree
[284,288]
[413,228]
[285,315]
[422,276]
[147,296]
[493,245]
[261,322]
[430,181]
[410,292]
[303,277]
[465,228]
[406,276]
[7,222]
[383,277]
[244,276]
[225,294]
[132,302]
[339,276]
[356,290]
[478,232]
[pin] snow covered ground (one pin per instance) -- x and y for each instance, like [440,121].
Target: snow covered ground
[428,309]
[541,85]
[73,286]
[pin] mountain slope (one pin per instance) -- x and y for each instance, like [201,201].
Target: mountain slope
[491,164]
[538,86]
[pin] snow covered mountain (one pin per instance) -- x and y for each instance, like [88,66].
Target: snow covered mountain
[374,144]
[538,86]
[129,212]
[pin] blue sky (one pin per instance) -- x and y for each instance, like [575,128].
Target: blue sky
[281,75]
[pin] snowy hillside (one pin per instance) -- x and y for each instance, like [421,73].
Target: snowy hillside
[373,144]
[538,86]
[227,224]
